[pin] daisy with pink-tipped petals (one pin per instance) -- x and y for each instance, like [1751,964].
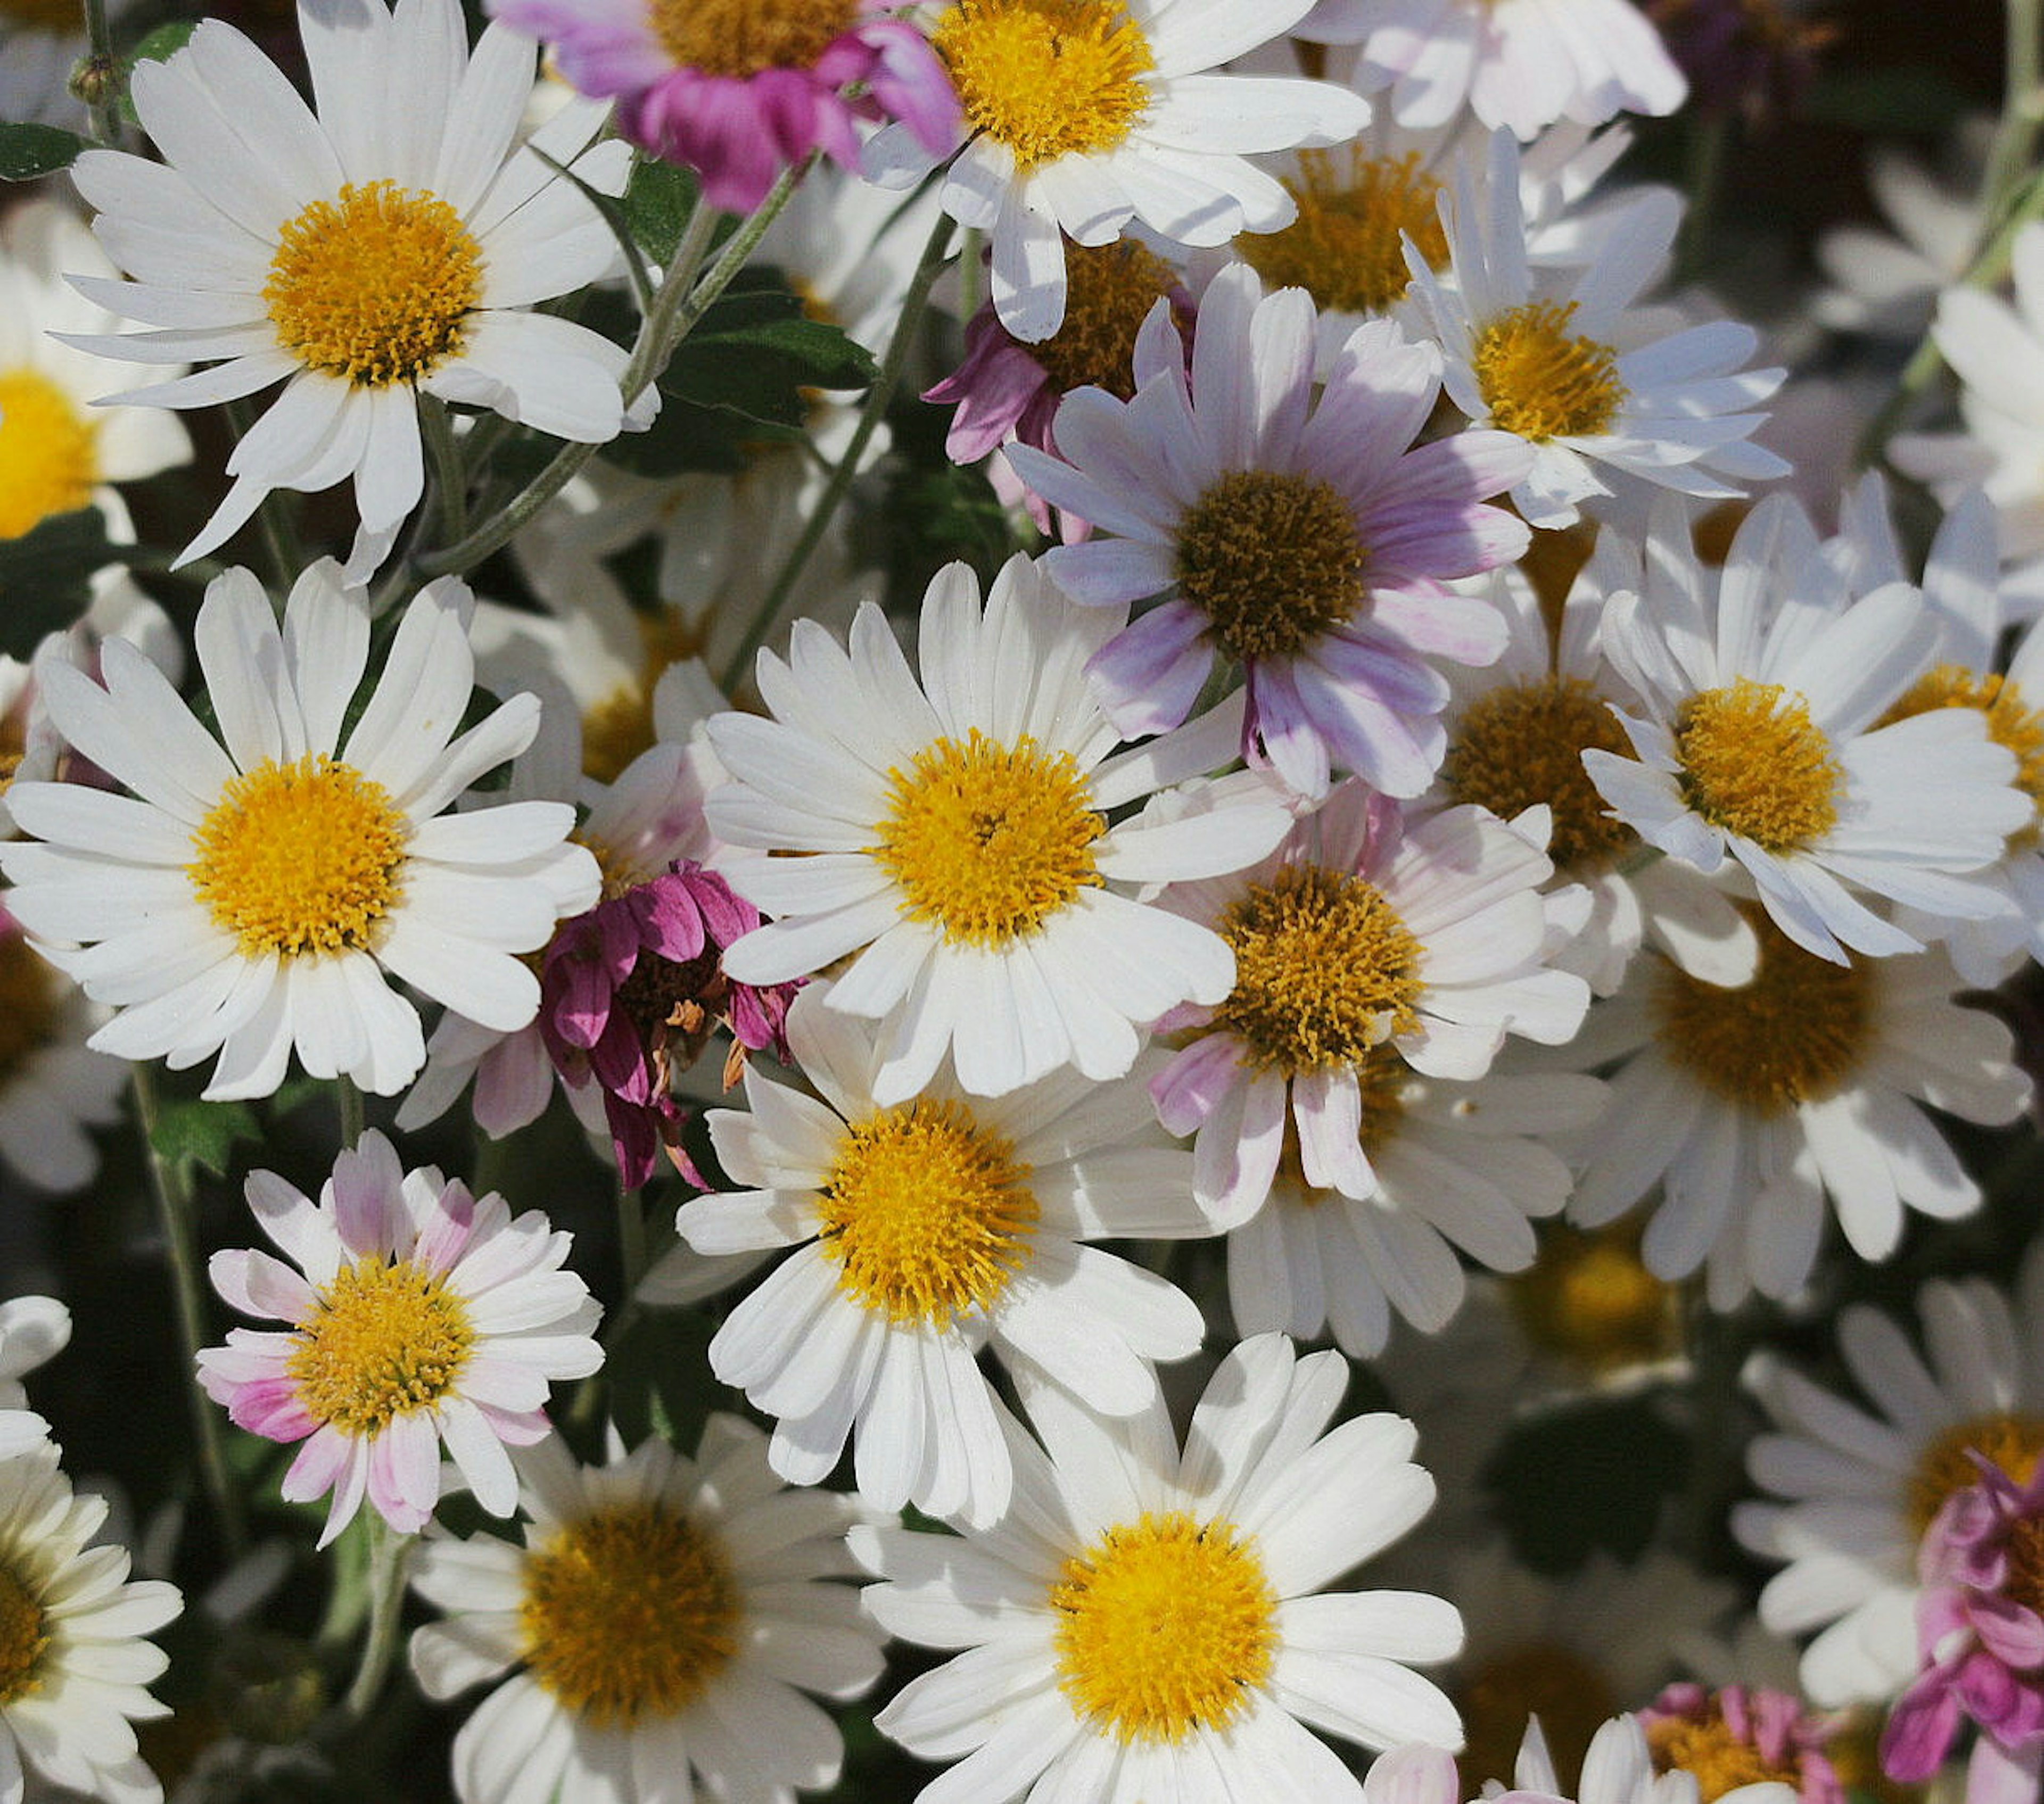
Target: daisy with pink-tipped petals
[422,1319]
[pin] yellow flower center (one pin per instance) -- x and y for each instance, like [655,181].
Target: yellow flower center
[2009,1440]
[1755,763]
[58,18]
[1165,1625]
[1346,247]
[1046,78]
[1796,1034]
[30,994]
[1110,291]
[628,1614]
[1324,970]
[386,1339]
[1272,560]
[1523,744]
[49,455]
[1718,1759]
[1541,381]
[300,857]
[619,727]
[927,1214]
[1572,1697]
[2010,721]
[1590,1298]
[988,841]
[376,286]
[25,1637]
[739,38]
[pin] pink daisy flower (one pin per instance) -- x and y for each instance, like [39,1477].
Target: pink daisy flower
[421,1317]
[1753,1733]
[1309,541]
[739,91]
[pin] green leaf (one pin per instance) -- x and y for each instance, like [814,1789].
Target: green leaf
[1914,98]
[657,202]
[191,1133]
[27,152]
[45,576]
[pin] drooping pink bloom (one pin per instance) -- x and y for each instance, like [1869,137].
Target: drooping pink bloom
[740,99]
[1980,1633]
[421,1318]
[631,992]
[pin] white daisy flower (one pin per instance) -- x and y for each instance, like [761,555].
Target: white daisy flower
[667,1616]
[252,897]
[53,1086]
[1613,402]
[922,1232]
[1752,1106]
[1079,115]
[957,840]
[391,246]
[57,452]
[1759,744]
[421,1317]
[1145,1625]
[1523,64]
[1853,1489]
[73,1663]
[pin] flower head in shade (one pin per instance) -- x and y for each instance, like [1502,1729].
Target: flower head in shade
[1743,1735]
[1079,115]
[272,880]
[1619,1768]
[421,1317]
[53,1086]
[387,247]
[918,1234]
[1152,1625]
[1980,1630]
[631,992]
[73,1663]
[958,843]
[1305,539]
[740,90]
[660,1626]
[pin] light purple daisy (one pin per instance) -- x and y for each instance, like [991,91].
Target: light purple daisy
[1311,543]
[740,92]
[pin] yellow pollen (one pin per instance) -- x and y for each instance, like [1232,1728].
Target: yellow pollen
[2010,721]
[1166,1625]
[927,1214]
[2009,1440]
[1273,561]
[1345,248]
[1572,1697]
[739,38]
[619,727]
[1541,381]
[1324,970]
[23,1637]
[56,18]
[1523,744]
[628,1614]
[1753,763]
[376,286]
[1796,1034]
[1110,291]
[1590,1298]
[1046,78]
[989,841]
[49,451]
[1718,1760]
[30,995]
[387,1339]
[300,857]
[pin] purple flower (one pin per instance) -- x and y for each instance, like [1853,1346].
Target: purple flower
[631,992]
[1742,1736]
[738,90]
[1980,1636]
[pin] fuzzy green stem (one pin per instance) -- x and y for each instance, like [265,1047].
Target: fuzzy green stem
[388,1553]
[352,1111]
[935,250]
[1710,134]
[450,478]
[175,1210]
[106,103]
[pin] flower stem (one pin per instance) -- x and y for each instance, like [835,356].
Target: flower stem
[106,100]
[351,1115]
[175,1210]
[388,1553]
[631,1239]
[450,479]
[281,544]
[935,251]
